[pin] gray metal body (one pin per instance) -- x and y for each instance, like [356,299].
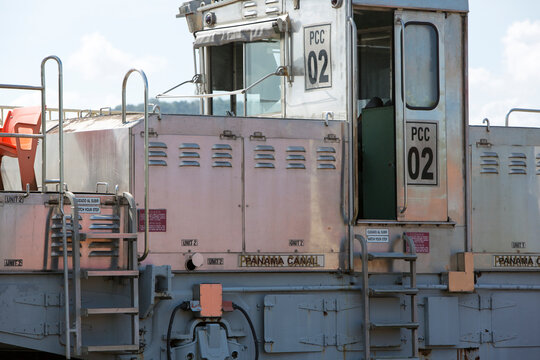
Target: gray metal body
[267,207]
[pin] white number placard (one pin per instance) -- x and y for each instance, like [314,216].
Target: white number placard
[317,59]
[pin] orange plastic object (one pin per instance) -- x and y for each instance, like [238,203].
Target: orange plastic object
[22,121]
[462,281]
[210,299]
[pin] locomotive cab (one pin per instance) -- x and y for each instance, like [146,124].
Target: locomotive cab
[399,114]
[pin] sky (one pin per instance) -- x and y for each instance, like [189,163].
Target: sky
[99,41]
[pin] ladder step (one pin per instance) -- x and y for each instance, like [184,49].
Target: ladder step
[109,311]
[391,255]
[410,325]
[94,235]
[110,348]
[112,273]
[392,291]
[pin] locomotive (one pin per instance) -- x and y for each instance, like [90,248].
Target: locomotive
[340,207]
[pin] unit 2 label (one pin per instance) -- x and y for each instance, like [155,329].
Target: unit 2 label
[422,157]
[317,60]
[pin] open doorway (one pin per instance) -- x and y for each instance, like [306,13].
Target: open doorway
[376,180]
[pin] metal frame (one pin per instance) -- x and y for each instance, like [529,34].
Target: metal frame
[146,146]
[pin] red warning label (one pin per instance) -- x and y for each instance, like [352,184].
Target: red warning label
[157,220]
[421,241]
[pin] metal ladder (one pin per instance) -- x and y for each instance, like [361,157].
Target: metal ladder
[369,291]
[61,187]
[131,273]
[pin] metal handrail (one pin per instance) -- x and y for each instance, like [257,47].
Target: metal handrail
[280,71]
[76,269]
[404,129]
[146,146]
[365,294]
[60,126]
[156,109]
[196,79]
[414,310]
[507,118]
[351,59]
[17,135]
[43,134]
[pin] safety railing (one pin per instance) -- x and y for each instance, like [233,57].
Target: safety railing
[77,113]
[507,118]
[280,71]
[146,146]
[43,135]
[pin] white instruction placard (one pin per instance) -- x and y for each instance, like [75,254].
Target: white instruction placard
[377,235]
[89,205]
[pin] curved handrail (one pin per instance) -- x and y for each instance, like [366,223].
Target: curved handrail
[196,79]
[507,117]
[60,125]
[365,289]
[146,145]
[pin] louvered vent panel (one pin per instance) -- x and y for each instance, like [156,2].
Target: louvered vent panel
[104,247]
[295,157]
[249,9]
[189,152]
[326,157]
[57,247]
[222,155]
[264,157]
[489,163]
[157,153]
[517,164]
[538,164]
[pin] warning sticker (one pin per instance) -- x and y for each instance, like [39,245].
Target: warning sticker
[377,235]
[89,205]
[421,241]
[157,220]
